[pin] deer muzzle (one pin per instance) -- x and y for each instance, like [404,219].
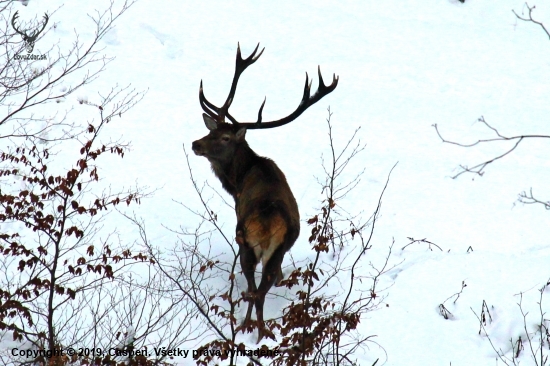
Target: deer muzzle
[197,147]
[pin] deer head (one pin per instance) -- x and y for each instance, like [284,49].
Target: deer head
[220,144]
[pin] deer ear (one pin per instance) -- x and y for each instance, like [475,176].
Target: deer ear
[240,134]
[210,123]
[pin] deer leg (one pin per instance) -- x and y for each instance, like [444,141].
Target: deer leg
[270,273]
[248,264]
[279,277]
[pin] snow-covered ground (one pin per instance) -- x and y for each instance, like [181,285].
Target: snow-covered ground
[403,66]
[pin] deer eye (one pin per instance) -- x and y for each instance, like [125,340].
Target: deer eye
[225,138]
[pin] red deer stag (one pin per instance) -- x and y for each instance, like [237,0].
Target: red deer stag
[268,221]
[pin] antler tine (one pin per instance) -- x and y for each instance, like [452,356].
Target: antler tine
[250,59]
[322,89]
[208,107]
[260,111]
[15,16]
[219,113]
[240,65]
[306,102]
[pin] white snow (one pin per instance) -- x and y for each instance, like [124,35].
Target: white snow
[403,66]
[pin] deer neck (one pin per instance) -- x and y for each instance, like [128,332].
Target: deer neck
[231,173]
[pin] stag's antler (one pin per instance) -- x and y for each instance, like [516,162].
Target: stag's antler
[219,114]
[240,65]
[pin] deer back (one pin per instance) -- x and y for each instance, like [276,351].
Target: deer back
[265,193]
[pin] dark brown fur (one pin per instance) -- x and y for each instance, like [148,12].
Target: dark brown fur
[268,221]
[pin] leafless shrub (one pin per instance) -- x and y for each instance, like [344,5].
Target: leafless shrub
[537,341]
[64,281]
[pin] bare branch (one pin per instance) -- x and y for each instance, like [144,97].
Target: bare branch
[479,168]
[529,18]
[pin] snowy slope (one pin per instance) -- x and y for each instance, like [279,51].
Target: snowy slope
[403,66]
